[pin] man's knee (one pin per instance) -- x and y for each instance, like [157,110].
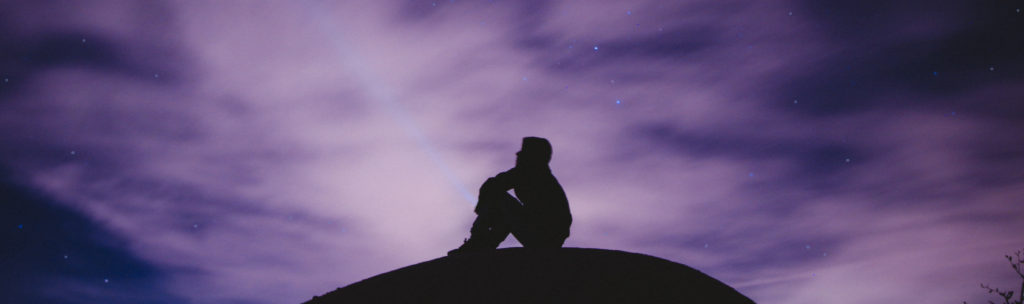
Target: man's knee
[494,194]
[495,201]
[490,186]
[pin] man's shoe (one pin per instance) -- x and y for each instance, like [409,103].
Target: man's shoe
[468,245]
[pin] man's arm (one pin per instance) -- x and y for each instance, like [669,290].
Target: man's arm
[501,182]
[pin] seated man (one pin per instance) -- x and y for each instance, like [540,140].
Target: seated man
[538,219]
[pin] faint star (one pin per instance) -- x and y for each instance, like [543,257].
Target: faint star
[847,160]
[73,152]
[751,174]
[65,257]
[434,4]
[790,13]
[1018,10]
[618,101]
[807,247]
[106,280]
[83,40]
[954,113]
[991,68]
[935,73]
[595,48]
[524,78]
[824,254]
[629,12]
[6,80]
[795,101]
[20,226]
[705,245]
[156,75]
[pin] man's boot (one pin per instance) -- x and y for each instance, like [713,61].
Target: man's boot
[470,245]
[482,236]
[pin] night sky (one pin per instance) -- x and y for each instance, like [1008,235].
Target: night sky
[269,151]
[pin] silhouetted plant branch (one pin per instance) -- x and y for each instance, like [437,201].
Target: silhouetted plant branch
[1007,295]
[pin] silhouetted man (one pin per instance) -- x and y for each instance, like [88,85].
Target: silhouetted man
[538,219]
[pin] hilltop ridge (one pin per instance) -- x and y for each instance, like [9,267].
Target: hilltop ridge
[525,275]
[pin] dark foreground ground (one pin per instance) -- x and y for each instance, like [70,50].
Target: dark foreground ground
[519,275]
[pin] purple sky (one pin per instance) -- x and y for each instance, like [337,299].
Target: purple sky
[268,151]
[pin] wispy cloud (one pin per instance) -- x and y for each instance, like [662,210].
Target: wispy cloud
[273,151]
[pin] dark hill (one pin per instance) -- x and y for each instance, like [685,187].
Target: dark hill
[520,275]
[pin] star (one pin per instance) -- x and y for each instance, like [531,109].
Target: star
[847,159]
[790,13]
[65,257]
[991,68]
[20,226]
[795,101]
[618,101]
[751,174]
[83,40]
[629,12]
[195,226]
[106,280]
[807,247]
[595,48]
[6,80]
[73,152]
[156,75]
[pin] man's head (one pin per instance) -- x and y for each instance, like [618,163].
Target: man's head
[536,152]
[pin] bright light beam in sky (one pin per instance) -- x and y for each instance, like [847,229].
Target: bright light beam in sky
[382,93]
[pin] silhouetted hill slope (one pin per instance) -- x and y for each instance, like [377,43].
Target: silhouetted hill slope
[520,275]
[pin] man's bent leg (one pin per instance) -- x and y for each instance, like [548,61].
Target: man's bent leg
[498,213]
[507,217]
[504,213]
